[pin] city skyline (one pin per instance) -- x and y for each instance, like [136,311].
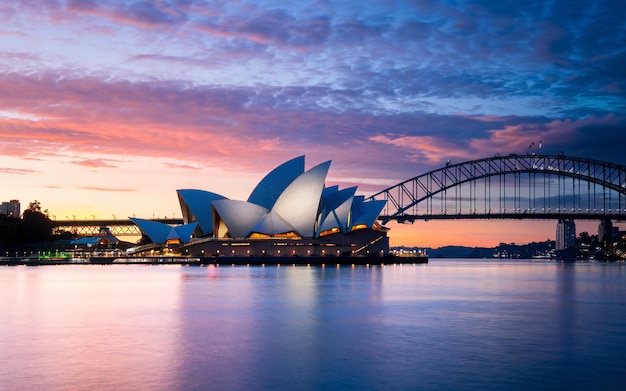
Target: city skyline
[109,107]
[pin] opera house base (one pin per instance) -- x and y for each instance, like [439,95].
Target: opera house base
[356,244]
[328,261]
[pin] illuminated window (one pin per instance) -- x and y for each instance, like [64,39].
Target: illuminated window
[330,232]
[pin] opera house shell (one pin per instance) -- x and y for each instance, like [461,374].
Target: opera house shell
[289,213]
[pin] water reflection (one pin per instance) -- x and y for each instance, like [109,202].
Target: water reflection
[84,327]
[271,327]
[445,325]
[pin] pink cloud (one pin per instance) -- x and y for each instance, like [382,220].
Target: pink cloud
[142,14]
[94,163]
[517,138]
[93,123]
[18,171]
[185,61]
[77,116]
[221,32]
[107,189]
[13,34]
[183,166]
[435,150]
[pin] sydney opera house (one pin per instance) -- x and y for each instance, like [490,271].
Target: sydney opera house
[290,213]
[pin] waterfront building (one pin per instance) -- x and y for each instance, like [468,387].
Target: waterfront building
[565,235]
[104,243]
[11,208]
[104,240]
[289,213]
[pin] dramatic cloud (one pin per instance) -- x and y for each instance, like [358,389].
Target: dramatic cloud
[126,91]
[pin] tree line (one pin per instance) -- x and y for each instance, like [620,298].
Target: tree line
[32,232]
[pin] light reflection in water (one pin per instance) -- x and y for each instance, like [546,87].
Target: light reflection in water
[445,325]
[79,327]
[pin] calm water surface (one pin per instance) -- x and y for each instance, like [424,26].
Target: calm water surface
[451,324]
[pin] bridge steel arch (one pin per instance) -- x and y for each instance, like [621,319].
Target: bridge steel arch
[511,187]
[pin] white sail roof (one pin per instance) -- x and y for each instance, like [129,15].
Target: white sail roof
[335,211]
[196,206]
[160,232]
[273,184]
[365,213]
[298,205]
[239,217]
[272,224]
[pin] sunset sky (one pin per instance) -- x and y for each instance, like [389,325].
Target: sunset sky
[107,107]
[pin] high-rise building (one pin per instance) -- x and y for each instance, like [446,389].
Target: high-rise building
[606,231]
[11,208]
[565,235]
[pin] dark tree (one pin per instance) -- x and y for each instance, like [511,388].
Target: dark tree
[37,225]
[29,232]
[34,206]
[11,233]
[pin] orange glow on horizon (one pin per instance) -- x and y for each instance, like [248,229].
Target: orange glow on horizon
[477,233]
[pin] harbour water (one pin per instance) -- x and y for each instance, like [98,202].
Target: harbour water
[446,325]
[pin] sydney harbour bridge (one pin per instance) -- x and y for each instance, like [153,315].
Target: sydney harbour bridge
[500,187]
[511,187]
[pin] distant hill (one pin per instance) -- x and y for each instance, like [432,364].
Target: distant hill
[460,252]
[503,250]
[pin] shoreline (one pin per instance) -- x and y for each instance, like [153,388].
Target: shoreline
[221,260]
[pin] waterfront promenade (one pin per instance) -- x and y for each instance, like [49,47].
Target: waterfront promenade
[222,260]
